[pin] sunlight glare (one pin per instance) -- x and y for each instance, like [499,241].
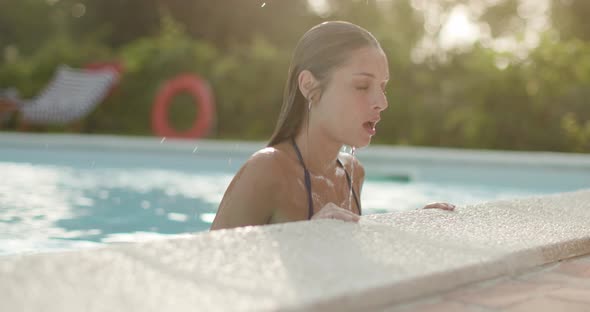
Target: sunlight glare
[320,7]
[458,30]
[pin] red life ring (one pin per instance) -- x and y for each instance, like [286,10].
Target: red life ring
[200,91]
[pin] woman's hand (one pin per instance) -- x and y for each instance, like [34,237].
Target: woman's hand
[443,206]
[331,211]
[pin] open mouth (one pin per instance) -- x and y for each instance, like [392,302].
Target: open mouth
[370,127]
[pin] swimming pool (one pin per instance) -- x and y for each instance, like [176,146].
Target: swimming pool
[63,192]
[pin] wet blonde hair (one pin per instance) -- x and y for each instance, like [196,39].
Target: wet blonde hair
[322,49]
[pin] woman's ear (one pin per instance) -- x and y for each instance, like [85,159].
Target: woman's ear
[306,83]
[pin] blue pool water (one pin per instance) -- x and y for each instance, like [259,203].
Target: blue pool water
[64,197]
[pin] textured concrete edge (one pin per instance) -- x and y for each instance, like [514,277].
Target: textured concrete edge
[379,298]
[512,263]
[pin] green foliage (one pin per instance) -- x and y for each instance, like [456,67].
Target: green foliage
[247,83]
[577,133]
[252,81]
[473,98]
[30,74]
[148,63]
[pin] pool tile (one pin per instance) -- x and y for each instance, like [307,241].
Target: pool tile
[548,305]
[578,268]
[443,306]
[559,279]
[502,294]
[581,295]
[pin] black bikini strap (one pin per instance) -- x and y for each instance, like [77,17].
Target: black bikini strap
[307,179]
[350,186]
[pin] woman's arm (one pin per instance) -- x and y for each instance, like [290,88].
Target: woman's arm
[250,199]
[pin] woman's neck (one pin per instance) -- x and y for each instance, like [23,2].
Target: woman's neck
[319,152]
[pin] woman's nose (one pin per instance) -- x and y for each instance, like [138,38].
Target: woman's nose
[380,103]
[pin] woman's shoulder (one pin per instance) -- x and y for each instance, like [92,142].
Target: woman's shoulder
[270,162]
[260,174]
[253,193]
[268,157]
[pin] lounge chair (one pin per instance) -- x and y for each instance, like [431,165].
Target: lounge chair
[71,95]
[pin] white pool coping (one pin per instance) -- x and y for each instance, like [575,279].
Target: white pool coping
[304,266]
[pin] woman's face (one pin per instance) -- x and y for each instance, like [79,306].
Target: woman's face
[352,102]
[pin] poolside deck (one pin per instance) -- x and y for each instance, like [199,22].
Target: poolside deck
[384,263]
[561,286]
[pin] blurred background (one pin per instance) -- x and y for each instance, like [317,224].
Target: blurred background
[490,74]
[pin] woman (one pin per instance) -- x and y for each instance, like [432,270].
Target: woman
[334,96]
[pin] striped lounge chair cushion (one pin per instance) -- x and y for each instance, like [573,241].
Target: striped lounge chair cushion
[71,95]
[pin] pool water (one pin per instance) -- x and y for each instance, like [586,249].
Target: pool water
[45,202]
[56,198]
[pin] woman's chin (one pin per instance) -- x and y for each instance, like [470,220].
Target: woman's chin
[365,144]
[362,142]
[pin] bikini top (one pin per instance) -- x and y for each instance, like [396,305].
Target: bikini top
[308,181]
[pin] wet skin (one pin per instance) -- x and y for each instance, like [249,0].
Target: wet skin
[270,187]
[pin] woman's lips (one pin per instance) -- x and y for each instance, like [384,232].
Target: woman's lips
[370,127]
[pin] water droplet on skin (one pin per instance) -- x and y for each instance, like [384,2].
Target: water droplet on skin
[163,139]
